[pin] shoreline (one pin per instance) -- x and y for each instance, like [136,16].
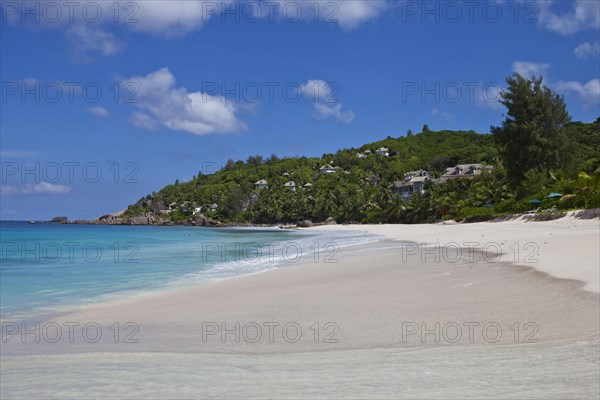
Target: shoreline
[380,321]
[565,248]
[547,260]
[394,259]
[270,254]
[200,220]
[538,238]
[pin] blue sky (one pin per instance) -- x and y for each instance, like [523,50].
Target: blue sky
[174,87]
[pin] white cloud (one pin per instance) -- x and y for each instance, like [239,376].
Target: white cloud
[173,18]
[588,93]
[87,24]
[580,15]
[322,94]
[325,111]
[353,13]
[38,188]
[100,112]
[45,188]
[587,50]
[180,17]
[163,104]
[349,14]
[8,190]
[528,69]
[85,38]
[144,121]
[442,114]
[319,90]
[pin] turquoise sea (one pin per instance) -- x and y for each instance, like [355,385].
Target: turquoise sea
[49,268]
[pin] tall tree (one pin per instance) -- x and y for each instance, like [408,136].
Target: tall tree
[532,135]
[425,128]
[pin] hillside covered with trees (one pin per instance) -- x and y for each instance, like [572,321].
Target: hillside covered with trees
[536,151]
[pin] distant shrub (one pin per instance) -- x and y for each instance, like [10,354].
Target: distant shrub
[475,214]
[177,215]
[571,201]
[514,206]
[372,217]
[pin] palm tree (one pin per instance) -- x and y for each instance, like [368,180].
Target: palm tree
[587,188]
[325,203]
[395,210]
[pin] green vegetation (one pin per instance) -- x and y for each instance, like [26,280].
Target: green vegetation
[473,214]
[532,135]
[536,151]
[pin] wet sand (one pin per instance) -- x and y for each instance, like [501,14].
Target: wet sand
[382,322]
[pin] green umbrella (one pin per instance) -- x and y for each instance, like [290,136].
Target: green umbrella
[554,195]
[535,201]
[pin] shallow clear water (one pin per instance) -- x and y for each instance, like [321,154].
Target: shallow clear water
[455,372]
[33,283]
[46,268]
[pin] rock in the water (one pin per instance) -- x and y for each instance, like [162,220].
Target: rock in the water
[60,220]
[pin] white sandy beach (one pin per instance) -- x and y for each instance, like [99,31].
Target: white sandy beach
[381,323]
[566,248]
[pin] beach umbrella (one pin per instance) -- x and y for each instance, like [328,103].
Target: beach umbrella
[553,195]
[535,201]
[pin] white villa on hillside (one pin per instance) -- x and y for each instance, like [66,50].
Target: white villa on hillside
[291,185]
[208,208]
[308,186]
[262,184]
[361,155]
[328,169]
[414,182]
[464,171]
[384,151]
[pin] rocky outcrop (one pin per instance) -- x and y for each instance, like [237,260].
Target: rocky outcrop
[142,220]
[201,220]
[149,219]
[60,220]
[109,219]
[250,201]
[157,207]
[305,224]
[587,214]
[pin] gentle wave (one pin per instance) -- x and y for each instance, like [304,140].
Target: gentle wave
[167,258]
